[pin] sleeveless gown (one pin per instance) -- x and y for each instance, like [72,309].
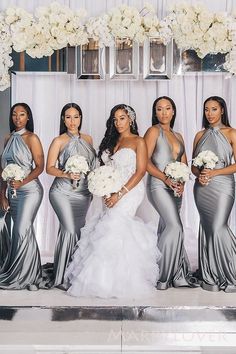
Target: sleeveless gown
[217,243]
[70,205]
[174,264]
[22,267]
[5,238]
[117,254]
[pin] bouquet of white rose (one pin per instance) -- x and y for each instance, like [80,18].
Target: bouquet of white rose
[13,172]
[178,172]
[206,159]
[104,180]
[77,164]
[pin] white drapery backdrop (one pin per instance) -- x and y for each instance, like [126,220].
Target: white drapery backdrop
[47,93]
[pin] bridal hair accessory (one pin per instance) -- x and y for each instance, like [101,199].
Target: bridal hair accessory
[131,113]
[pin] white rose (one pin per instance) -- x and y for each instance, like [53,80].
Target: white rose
[126,22]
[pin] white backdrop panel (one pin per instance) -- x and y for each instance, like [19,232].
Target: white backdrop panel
[47,93]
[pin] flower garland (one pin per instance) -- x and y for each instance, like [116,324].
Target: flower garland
[56,26]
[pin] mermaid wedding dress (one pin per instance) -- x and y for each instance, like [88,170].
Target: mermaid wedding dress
[117,253]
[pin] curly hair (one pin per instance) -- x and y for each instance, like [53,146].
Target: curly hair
[111,135]
[154,114]
[224,117]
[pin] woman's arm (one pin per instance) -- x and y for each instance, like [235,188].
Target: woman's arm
[194,169]
[53,153]
[4,205]
[36,149]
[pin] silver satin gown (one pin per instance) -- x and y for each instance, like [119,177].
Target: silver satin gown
[5,238]
[174,264]
[217,243]
[22,267]
[70,205]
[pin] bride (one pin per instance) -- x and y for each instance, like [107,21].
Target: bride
[117,254]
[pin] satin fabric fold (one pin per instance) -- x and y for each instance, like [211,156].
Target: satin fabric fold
[22,266]
[174,264]
[5,237]
[70,205]
[217,243]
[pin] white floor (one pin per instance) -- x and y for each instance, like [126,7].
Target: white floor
[32,329]
[166,298]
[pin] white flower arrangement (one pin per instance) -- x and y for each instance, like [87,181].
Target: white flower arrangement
[124,22]
[97,29]
[56,26]
[152,27]
[104,180]
[13,172]
[20,22]
[5,50]
[177,171]
[206,159]
[230,63]
[195,27]
[77,164]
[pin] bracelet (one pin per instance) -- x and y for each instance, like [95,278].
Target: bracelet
[120,195]
[166,178]
[125,188]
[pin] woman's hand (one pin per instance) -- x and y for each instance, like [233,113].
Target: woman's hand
[74,176]
[206,175]
[16,184]
[4,205]
[112,200]
[170,183]
[179,189]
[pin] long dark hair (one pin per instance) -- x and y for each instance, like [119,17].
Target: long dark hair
[154,115]
[111,135]
[224,117]
[30,123]
[63,127]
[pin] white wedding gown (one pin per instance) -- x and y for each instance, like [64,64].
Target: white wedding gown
[117,254]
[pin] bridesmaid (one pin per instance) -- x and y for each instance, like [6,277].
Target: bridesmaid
[214,193]
[70,205]
[164,146]
[22,267]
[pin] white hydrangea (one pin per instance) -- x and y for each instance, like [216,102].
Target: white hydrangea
[206,159]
